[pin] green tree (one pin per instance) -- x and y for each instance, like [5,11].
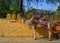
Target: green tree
[14,8]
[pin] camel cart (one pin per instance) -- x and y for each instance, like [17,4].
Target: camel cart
[55,31]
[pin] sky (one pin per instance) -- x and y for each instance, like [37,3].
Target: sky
[42,6]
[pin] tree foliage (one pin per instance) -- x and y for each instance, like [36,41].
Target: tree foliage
[6,6]
[14,8]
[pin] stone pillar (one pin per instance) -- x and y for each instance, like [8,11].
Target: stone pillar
[13,17]
[51,17]
[8,16]
[19,18]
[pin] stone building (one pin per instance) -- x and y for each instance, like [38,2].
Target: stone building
[58,12]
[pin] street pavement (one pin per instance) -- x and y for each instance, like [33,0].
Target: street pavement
[25,40]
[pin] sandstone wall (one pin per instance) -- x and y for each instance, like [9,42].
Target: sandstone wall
[16,28]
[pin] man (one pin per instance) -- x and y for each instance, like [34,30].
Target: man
[34,22]
[43,21]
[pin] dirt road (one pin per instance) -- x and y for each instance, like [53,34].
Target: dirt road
[25,40]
